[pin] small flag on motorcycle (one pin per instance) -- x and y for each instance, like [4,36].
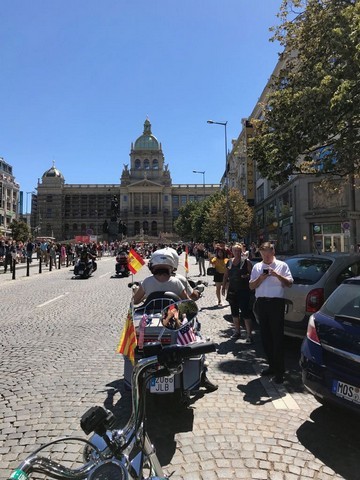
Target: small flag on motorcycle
[186,259]
[135,261]
[128,341]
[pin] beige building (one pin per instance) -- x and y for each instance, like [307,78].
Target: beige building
[299,216]
[146,201]
[9,198]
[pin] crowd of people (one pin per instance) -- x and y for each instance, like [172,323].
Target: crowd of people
[252,289]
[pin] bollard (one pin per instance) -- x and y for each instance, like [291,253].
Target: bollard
[40,264]
[50,264]
[67,260]
[13,269]
[59,262]
[27,266]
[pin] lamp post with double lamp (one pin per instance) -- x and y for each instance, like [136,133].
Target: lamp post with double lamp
[224,124]
[203,174]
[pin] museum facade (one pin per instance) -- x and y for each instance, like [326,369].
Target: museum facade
[144,204]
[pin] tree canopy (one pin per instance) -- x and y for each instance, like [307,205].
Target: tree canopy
[206,221]
[312,114]
[20,230]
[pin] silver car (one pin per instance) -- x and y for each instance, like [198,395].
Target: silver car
[315,278]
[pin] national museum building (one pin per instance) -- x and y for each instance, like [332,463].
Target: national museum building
[145,203]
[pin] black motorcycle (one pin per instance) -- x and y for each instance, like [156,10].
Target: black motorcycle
[121,265]
[84,268]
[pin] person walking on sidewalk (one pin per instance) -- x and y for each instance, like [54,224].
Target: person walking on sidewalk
[201,254]
[269,279]
[218,261]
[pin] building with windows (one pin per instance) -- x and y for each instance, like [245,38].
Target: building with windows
[144,204]
[9,198]
[300,216]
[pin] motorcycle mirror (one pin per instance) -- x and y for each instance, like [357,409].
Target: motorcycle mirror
[175,315]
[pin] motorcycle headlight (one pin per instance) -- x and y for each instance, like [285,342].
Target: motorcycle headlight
[109,470]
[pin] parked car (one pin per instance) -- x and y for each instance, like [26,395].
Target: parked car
[330,352]
[315,278]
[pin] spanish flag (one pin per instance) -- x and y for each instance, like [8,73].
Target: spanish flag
[128,341]
[135,261]
[186,259]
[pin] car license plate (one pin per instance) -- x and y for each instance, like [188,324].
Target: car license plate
[162,385]
[344,390]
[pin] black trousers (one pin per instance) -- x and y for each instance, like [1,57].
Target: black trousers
[270,313]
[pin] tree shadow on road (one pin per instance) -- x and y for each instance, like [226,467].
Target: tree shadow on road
[333,436]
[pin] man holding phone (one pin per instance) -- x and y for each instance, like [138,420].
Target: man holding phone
[268,279]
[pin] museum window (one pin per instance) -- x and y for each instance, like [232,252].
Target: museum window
[146,164]
[183,199]
[137,164]
[155,165]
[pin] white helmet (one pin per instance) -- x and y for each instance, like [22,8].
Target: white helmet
[171,251]
[162,258]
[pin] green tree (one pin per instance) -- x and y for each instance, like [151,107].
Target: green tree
[20,230]
[312,115]
[239,213]
[206,221]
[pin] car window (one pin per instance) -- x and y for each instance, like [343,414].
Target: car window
[349,272]
[307,271]
[345,300]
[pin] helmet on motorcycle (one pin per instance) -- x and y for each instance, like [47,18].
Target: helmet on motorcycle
[160,259]
[172,252]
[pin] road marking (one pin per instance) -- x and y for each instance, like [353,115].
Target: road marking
[53,300]
[281,398]
[105,274]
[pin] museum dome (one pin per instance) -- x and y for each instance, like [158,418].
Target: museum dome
[53,172]
[146,141]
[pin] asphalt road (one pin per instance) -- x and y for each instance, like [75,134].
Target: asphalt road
[58,339]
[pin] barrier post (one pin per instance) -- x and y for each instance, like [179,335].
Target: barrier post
[13,269]
[27,266]
[50,263]
[40,264]
[59,262]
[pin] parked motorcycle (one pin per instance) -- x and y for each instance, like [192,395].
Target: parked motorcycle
[150,327]
[124,454]
[84,268]
[121,265]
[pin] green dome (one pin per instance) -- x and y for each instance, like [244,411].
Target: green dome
[147,141]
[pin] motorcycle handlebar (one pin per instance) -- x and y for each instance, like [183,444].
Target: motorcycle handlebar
[176,353]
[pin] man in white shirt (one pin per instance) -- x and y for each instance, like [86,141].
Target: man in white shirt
[268,279]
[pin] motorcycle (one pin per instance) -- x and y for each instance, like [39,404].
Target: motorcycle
[149,327]
[121,265]
[84,268]
[121,454]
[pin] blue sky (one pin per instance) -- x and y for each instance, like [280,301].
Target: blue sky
[78,79]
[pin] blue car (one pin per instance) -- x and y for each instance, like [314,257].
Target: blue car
[330,352]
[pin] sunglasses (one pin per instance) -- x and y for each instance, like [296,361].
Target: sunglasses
[162,271]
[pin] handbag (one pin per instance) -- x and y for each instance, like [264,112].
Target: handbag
[210,271]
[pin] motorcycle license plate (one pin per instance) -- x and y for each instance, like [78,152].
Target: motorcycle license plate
[162,385]
[344,390]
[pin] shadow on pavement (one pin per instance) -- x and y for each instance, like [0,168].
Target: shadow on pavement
[165,417]
[254,392]
[333,436]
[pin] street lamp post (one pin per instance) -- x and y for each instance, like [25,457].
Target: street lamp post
[224,124]
[203,174]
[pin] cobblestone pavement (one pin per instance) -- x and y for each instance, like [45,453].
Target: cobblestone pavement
[58,338]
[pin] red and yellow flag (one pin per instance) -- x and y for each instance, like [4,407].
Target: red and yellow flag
[186,259]
[135,261]
[128,341]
